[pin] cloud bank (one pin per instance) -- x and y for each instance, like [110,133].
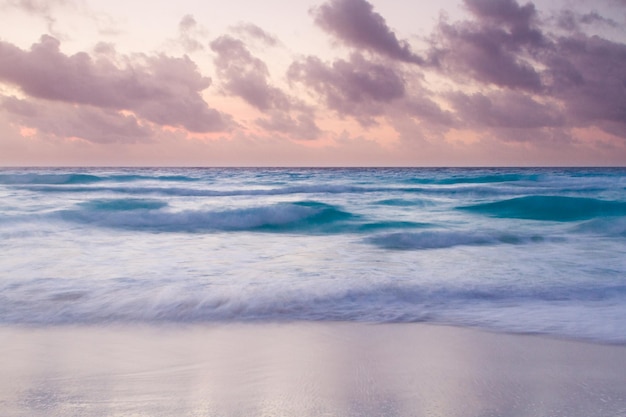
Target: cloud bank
[158,89]
[506,72]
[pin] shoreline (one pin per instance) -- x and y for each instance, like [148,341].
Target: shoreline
[305,369]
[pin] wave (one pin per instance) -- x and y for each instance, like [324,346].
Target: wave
[481,191]
[554,208]
[583,310]
[400,202]
[137,214]
[480,179]
[611,226]
[18,179]
[201,192]
[75,178]
[301,217]
[167,178]
[124,204]
[447,239]
[373,226]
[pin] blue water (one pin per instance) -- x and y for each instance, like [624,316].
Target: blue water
[512,250]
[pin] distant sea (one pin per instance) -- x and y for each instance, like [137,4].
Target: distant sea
[534,250]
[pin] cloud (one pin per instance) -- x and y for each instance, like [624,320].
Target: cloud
[40,8]
[488,52]
[528,75]
[252,31]
[575,22]
[505,109]
[246,76]
[506,12]
[355,23]
[358,87]
[589,75]
[161,89]
[302,126]
[64,120]
[188,31]
[429,112]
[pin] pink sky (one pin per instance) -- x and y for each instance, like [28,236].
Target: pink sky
[315,83]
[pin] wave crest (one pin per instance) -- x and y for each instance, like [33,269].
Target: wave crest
[138,214]
[554,208]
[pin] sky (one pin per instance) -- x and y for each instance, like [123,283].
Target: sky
[312,83]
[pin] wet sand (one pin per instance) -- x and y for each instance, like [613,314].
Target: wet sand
[304,369]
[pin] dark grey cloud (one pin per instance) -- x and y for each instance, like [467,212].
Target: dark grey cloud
[161,89]
[357,87]
[355,23]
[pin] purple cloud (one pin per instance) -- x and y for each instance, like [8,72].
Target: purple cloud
[355,23]
[246,76]
[575,22]
[504,12]
[509,50]
[160,89]
[505,109]
[301,127]
[429,112]
[589,75]
[488,54]
[357,87]
[86,122]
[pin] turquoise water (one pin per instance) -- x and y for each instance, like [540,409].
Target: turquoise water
[513,250]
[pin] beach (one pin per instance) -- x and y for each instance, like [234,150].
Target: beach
[304,369]
[310,292]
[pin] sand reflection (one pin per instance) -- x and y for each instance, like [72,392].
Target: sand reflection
[304,370]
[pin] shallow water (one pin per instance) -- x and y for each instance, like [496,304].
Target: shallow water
[514,250]
[304,369]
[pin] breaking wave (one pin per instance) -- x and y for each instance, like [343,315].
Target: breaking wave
[137,214]
[554,208]
[48,179]
[569,310]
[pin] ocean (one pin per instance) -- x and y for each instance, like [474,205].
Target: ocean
[532,250]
